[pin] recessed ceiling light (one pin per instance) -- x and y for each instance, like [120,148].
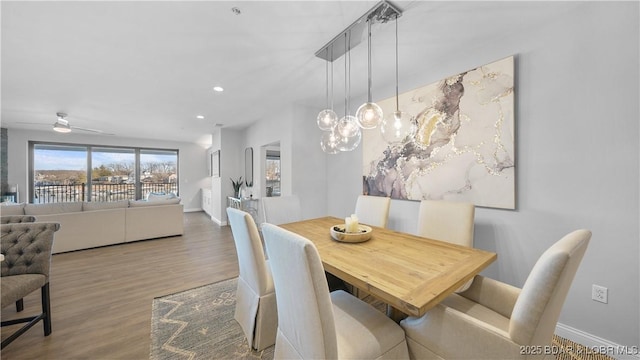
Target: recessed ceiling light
[218,88]
[200,117]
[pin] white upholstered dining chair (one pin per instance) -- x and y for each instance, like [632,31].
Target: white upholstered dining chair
[316,324]
[281,209]
[373,210]
[256,309]
[447,221]
[285,209]
[494,320]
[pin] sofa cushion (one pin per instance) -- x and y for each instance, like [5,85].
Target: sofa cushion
[55,208]
[102,205]
[12,209]
[141,203]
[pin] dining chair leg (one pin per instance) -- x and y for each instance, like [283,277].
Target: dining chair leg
[46,309]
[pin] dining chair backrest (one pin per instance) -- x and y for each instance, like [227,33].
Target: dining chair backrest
[536,312]
[281,209]
[251,257]
[373,210]
[256,310]
[307,328]
[447,221]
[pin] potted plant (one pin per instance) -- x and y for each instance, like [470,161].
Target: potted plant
[248,189]
[236,187]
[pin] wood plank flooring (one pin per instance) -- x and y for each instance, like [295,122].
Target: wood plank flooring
[101,298]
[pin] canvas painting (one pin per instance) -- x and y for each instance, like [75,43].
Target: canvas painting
[463,148]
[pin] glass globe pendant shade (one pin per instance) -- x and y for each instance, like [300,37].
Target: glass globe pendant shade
[347,126]
[327,119]
[350,143]
[329,142]
[369,115]
[398,128]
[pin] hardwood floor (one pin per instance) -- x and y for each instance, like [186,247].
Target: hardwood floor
[101,298]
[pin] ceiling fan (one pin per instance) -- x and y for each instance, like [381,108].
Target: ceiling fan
[62,126]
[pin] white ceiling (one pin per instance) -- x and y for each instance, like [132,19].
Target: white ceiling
[146,69]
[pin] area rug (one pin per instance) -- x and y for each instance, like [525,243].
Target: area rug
[199,324]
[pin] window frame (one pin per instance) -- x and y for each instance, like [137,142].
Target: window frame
[89,166]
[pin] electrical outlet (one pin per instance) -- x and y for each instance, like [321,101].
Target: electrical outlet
[599,293]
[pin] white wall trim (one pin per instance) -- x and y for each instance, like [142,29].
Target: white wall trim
[593,342]
[192,210]
[219,222]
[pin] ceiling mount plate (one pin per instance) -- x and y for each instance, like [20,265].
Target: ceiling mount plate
[381,13]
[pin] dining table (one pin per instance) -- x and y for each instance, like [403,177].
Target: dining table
[410,273]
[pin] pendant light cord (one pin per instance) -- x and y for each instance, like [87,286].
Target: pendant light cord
[327,78]
[345,74]
[369,57]
[349,55]
[397,101]
[332,78]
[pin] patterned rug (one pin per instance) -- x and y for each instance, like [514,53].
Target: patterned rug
[199,324]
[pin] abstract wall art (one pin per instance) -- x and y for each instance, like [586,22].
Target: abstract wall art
[463,149]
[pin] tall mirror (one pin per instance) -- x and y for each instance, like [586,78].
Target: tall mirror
[248,166]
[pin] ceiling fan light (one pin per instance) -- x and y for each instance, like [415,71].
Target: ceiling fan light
[61,128]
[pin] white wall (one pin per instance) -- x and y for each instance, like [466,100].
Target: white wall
[577,150]
[272,129]
[192,159]
[303,164]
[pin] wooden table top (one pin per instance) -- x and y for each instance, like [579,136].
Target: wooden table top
[408,272]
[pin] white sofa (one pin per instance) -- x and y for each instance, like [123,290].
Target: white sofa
[85,225]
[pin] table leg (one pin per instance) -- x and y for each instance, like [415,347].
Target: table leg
[395,314]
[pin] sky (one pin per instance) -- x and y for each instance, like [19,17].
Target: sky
[46,159]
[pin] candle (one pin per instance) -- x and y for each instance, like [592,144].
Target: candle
[351,224]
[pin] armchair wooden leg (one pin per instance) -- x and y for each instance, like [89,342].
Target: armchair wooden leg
[46,309]
[19,305]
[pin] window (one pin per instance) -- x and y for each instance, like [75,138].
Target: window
[65,172]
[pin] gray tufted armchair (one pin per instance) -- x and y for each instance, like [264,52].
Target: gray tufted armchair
[27,258]
[16,219]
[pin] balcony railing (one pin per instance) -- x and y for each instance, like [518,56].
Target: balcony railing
[99,192]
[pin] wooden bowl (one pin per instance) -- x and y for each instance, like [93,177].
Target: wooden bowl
[363,235]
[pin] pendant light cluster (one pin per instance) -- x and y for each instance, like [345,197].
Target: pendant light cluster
[345,134]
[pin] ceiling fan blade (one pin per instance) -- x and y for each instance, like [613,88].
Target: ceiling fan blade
[31,123]
[90,130]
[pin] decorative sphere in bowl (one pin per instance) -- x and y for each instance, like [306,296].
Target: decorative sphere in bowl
[338,233]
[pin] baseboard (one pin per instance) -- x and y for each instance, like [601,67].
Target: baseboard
[219,222]
[192,210]
[599,344]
